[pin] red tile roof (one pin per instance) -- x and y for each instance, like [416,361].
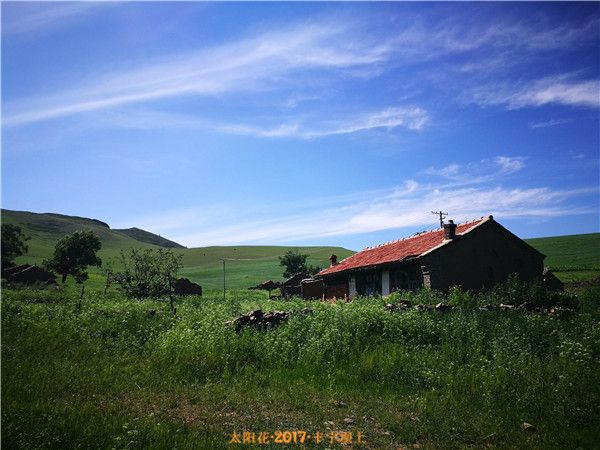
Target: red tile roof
[399,250]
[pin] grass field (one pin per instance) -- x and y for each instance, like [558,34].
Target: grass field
[115,376]
[45,230]
[247,266]
[573,258]
[570,252]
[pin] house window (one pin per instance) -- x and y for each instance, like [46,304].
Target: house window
[368,283]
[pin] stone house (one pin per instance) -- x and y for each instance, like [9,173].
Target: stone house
[473,255]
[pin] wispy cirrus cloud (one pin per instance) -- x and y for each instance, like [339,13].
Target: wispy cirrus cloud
[35,17]
[412,118]
[402,206]
[245,65]
[561,89]
[279,58]
[500,39]
[510,164]
[391,210]
[549,123]
[478,172]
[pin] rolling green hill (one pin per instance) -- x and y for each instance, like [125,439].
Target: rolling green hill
[46,229]
[577,251]
[149,238]
[245,265]
[572,257]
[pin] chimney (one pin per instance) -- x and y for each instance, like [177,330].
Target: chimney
[449,230]
[333,259]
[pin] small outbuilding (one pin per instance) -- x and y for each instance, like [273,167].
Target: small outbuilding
[473,255]
[292,286]
[185,287]
[28,274]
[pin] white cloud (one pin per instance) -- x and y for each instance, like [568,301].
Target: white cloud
[403,206]
[33,17]
[562,90]
[510,164]
[576,155]
[478,172]
[450,171]
[246,65]
[273,58]
[412,118]
[549,123]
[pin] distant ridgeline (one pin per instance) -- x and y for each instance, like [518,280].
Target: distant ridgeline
[149,238]
[47,228]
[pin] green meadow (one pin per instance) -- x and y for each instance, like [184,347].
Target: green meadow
[125,374]
[573,258]
[128,374]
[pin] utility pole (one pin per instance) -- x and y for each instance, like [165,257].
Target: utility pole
[223,278]
[442,215]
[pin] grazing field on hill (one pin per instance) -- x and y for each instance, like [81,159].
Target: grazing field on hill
[45,230]
[572,258]
[128,374]
[570,252]
[247,266]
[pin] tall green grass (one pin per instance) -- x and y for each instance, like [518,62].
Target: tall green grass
[116,375]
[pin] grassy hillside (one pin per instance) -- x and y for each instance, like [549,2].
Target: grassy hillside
[46,229]
[149,238]
[578,251]
[246,266]
[572,258]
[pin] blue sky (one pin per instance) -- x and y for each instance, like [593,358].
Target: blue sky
[303,123]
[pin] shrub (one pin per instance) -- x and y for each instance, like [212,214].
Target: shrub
[148,272]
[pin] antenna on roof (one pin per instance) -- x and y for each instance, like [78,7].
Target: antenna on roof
[442,215]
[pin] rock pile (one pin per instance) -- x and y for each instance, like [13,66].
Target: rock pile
[401,305]
[404,305]
[261,320]
[528,307]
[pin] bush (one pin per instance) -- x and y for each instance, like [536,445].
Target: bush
[147,273]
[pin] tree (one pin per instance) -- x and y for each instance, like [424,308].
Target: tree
[148,273]
[13,244]
[73,254]
[295,263]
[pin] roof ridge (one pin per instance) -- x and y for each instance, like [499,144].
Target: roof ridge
[412,236]
[471,223]
[420,233]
